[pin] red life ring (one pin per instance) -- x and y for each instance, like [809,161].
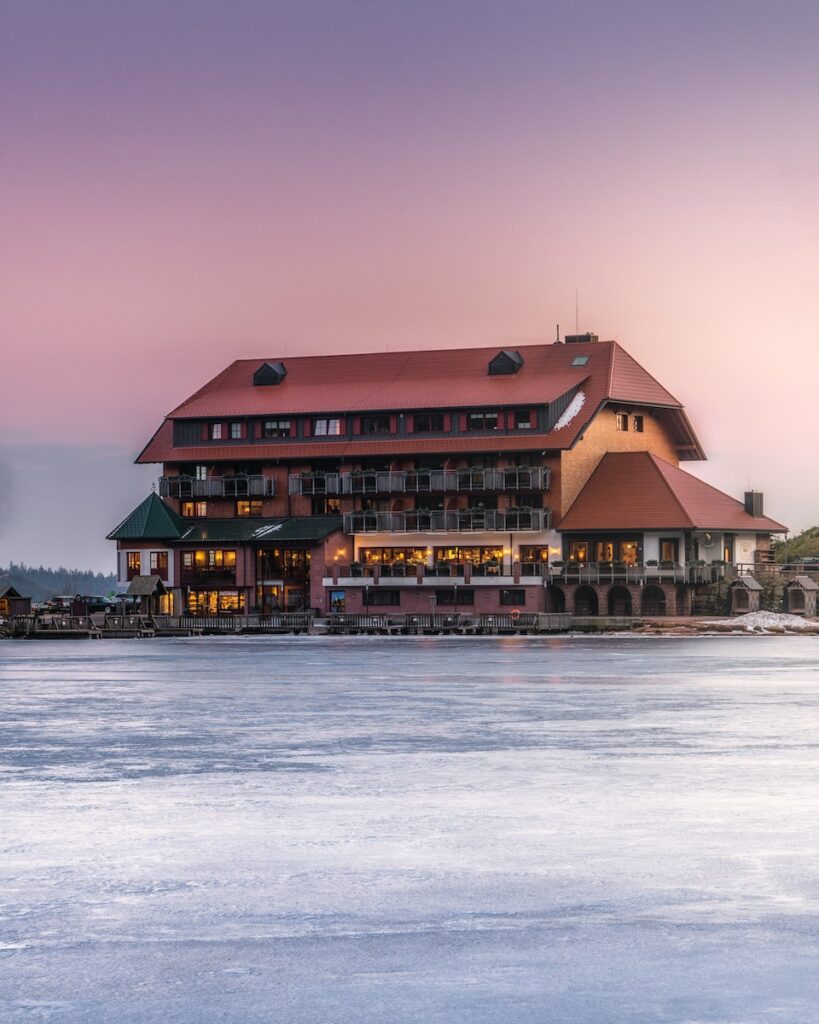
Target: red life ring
[515,614]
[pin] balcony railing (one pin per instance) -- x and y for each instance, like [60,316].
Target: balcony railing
[422,481]
[455,521]
[670,572]
[217,487]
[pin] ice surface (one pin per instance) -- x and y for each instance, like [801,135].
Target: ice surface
[391,830]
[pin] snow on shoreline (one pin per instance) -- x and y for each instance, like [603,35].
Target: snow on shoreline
[756,621]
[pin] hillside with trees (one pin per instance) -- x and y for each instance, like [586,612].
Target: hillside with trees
[803,545]
[40,584]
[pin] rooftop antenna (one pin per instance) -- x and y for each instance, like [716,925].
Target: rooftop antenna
[557,334]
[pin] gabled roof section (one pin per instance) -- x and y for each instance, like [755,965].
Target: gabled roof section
[150,520]
[426,379]
[261,531]
[9,592]
[640,491]
[145,586]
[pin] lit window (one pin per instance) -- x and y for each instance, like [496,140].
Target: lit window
[194,509]
[216,431]
[248,508]
[134,564]
[622,420]
[277,428]
[326,428]
[201,472]
[235,431]
[638,424]
[580,360]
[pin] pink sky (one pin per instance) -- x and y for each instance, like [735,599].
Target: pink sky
[184,185]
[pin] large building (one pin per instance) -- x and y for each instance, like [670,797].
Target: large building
[544,477]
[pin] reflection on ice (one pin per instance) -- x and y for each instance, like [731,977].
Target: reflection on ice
[304,829]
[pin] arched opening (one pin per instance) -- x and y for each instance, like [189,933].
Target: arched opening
[653,602]
[585,601]
[555,599]
[619,601]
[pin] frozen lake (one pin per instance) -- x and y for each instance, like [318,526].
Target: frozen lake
[606,831]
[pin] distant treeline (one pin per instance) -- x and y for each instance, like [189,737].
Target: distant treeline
[803,545]
[41,584]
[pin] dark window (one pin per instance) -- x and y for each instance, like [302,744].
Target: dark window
[375,424]
[513,596]
[452,596]
[248,508]
[482,421]
[377,597]
[276,428]
[523,419]
[216,431]
[326,506]
[638,424]
[622,420]
[427,423]
[235,431]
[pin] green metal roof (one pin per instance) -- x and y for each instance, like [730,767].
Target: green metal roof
[152,520]
[260,531]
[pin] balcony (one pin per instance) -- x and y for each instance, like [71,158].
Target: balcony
[242,486]
[426,481]
[455,521]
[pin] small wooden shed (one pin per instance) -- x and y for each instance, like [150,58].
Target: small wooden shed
[745,593]
[12,603]
[799,596]
[148,589]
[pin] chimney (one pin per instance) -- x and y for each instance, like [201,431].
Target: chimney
[753,504]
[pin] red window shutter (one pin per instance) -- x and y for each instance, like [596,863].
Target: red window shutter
[244,430]
[462,420]
[510,420]
[533,418]
[205,432]
[447,422]
[307,425]
[393,424]
[356,424]
[294,428]
[409,420]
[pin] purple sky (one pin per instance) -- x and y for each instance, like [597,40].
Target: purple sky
[186,183]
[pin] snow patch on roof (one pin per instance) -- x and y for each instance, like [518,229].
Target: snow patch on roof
[571,411]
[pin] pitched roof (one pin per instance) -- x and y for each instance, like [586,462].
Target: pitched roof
[152,519]
[427,379]
[640,491]
[145,586]
[9,592]
[804,582]
[260,531]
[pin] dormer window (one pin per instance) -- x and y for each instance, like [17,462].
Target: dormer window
[269,374]
[505,362]
[236,431]
[216,431]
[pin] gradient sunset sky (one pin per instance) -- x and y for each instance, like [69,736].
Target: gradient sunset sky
[188,183]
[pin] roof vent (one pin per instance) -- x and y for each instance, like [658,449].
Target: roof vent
[505,362]
[753,504]
[580,339]
[269,373]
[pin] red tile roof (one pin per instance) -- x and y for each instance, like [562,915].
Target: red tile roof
[639,491]
[428,379]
